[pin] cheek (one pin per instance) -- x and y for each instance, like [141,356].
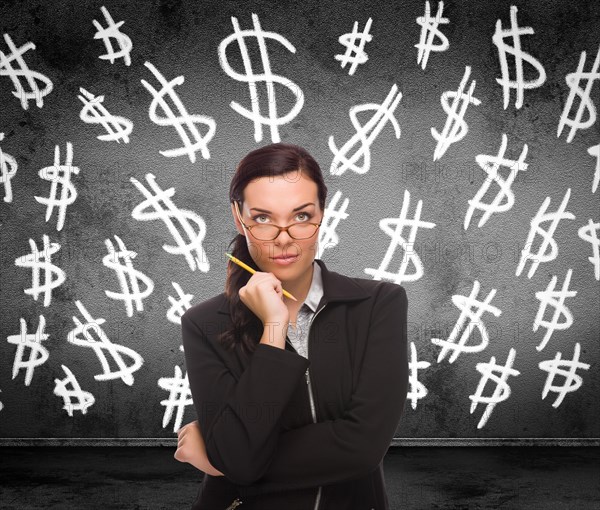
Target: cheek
[257,251]
[308,248]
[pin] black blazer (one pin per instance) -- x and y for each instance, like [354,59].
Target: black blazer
[254,411]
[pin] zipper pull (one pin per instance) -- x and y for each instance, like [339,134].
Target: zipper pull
[237,502]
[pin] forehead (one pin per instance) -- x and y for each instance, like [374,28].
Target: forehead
[280,193]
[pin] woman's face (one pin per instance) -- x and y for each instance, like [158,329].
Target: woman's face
[280,200]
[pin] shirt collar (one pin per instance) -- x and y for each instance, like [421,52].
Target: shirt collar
[316,288]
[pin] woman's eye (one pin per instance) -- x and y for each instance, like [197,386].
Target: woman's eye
[306,215]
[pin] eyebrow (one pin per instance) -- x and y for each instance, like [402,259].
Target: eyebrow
[293,210]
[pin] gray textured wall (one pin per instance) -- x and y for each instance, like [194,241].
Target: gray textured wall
[182,39]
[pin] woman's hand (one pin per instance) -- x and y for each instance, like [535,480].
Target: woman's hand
[263,294]
[191,449]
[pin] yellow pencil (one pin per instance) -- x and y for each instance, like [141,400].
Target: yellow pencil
[248,268]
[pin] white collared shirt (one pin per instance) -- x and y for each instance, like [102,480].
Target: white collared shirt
[299,336]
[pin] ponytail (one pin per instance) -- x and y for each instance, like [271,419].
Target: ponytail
[246,325]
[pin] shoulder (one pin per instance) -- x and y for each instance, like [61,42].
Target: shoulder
[206,320]
[377,289]
[380,287]
[206,310]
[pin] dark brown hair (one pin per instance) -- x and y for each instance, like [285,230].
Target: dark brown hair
[271,160]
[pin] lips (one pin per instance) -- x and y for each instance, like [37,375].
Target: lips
[284,257]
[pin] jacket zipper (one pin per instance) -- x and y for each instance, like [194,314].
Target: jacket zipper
[235,504]
[310,394]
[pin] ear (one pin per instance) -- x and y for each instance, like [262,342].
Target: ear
[238,225]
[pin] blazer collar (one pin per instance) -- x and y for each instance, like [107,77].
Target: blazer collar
[336,287]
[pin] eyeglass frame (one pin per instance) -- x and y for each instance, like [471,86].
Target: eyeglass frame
[280,228]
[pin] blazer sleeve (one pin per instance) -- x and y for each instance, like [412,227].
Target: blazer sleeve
[354,445]
[239,419]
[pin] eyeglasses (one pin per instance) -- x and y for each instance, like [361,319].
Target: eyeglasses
[270,232]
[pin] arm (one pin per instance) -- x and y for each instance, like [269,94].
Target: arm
[353,445]
[239,419]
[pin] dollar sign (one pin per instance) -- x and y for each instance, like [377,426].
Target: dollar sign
[59,175]
[519,83]
[23,71]
[179,397]
[94,112]
[455,128]
[555,299]
[502,389]
[112,31]
[40,263]
[365,134]
[152,209]
[394,227]
[84,398]
[429,30]
[572,382]
[89,325]
[585,103]
[126,272]
[273,121]
[349,40]
[548,241]
[490,165]
[543,216]
[178,121]
[32,341]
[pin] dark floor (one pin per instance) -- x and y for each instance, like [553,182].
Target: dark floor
[528,477]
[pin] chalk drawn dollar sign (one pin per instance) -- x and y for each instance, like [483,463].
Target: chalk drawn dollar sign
[360,142]
[46,276]
[193,141]
[520,56]
[586,105]
[254,114]
[159,206]
[502,389]
[94,112]
[32,78]
[455,127]
[120,260]
[81,336]
[59,177]
[38,354]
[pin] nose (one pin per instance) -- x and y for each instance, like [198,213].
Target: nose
[284,237]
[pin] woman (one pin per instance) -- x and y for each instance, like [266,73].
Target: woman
[277,428]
